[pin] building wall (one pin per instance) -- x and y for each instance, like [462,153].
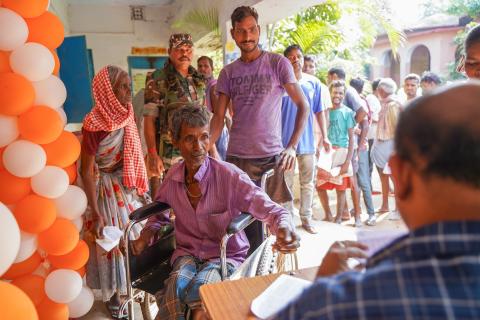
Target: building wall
[60,9]
[440,45]
[111,34]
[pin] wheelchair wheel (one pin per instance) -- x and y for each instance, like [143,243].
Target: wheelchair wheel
[266,263]
[149,307]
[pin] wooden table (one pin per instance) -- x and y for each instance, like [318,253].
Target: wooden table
[232,299]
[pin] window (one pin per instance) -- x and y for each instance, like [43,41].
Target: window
[420,60]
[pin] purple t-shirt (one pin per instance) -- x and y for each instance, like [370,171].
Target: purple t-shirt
[256,90]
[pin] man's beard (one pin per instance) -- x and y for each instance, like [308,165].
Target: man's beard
[254,47]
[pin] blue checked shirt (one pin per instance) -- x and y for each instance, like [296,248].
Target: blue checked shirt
[431,273]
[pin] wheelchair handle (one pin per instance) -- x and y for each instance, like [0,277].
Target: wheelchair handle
[149,210]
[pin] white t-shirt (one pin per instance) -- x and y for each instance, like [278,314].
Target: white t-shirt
[375,107]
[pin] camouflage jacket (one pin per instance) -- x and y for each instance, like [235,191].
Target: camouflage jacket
[166,91]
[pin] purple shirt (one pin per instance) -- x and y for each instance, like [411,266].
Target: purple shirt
[227,191]
[212,82]
[256,89]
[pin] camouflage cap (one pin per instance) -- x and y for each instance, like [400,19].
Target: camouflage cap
[178,39]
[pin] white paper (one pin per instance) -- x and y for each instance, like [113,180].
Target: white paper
[281,292]
[376,240]
[333,160]
[111,238]
[325,160]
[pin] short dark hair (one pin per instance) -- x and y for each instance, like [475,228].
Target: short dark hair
[338,71]
[210,61]
[193,116]
[357,83]
[337,84]
[375,83]
[292,47]
[412,76]
[448,147]
[473,37]
[241,13]
[309,58]
[430,77]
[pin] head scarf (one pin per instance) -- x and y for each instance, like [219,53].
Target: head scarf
[109,115]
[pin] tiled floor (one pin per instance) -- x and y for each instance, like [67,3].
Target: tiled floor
[313,246]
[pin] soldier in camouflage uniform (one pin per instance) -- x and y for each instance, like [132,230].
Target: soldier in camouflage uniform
[176,85]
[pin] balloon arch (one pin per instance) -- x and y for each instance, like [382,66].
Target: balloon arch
[42,259]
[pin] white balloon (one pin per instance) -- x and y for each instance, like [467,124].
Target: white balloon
[24,159]
[63,286]
[33,61]
[72,204]
[63,115]
[8,130]
[82,304]
[28,245]
[14,30]
[9,238]
[78,222]
[50,92]
[51,182]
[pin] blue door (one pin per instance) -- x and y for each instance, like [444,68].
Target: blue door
[76,72]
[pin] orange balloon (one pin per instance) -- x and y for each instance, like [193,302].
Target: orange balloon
[15,304]
[73,260]
[40,124]
[5,62]
[17,94]
[35,214]
[23,268]
[33,286]
[46,29]
[72,173]
[56,69]
[82,271]
[61,238]
[64,151]
[27,8]
[49,310]
[1,158]
[12,188]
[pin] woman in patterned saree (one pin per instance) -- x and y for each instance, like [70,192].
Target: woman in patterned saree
[114,178]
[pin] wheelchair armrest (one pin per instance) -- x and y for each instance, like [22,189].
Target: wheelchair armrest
[149,210]
[240,223]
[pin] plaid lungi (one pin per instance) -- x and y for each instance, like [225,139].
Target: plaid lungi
[181,291]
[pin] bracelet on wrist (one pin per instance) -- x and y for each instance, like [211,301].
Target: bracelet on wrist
[152,150]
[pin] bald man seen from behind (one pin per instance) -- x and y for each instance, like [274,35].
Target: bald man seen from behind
[433,272]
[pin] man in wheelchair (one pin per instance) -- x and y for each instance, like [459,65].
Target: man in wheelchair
[205,195]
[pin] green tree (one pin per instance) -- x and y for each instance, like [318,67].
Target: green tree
[339,31]
[460,8]
[464,7]
[202,24]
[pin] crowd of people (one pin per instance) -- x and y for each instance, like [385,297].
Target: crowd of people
[209,141]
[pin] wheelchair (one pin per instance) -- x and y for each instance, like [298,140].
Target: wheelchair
[147,272]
